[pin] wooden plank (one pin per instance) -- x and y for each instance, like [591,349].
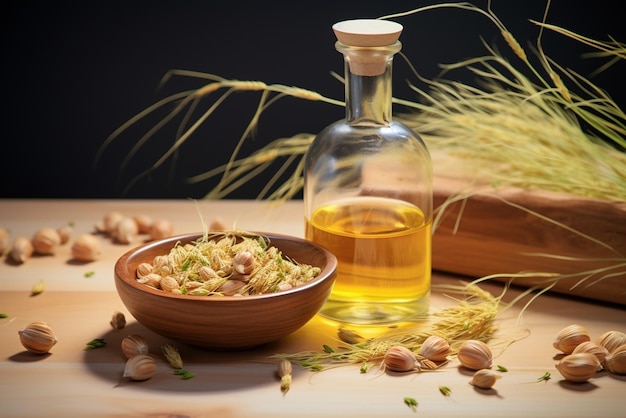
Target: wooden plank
[513,230]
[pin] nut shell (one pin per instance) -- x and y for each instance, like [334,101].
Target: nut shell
[125,231]
[86,247]
[4,240]
[140,367]
[46,240]
[143,270]
[37,337]
[169,284]
[65,233]
[611,340]
[161,228]
[435,348]
[152,279]
[144,223]
[578,367]
[400,359]
[592,348]
[569,337]
[484,379]
[231,287]
[243,263]
[133,345]
[21,250]
[217,225]
[475,355]
[616,360]
[118,320]
[109,222]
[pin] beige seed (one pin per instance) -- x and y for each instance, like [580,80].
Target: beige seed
[283,286]
[596,349]
[45,241]
[86,247]
[578,367]
[125,231]
[152,280]
[144,223]
[435,348]
[484,379]
[611,340]
[118,320]
[207,273]
[161,228]
[143,270]
[616,360]
[65,233]
[569,337]
[169,284]
[400,359]
[217,225]
[4,240]
[38,337]
[140,367]
[161,265]
[231,287]
[109,222]
[244,263]
[21,250]
[133,345]
[475,355]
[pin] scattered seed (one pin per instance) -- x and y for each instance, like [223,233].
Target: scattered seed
[364,368]
[445,391]
[411,403]
[95,343]
[184,374]
[38,288]
[546,376]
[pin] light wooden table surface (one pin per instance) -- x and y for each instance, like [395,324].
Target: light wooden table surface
[73,382]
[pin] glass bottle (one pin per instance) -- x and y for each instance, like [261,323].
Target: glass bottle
[368,190]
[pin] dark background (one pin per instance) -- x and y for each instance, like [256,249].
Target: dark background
[73,72]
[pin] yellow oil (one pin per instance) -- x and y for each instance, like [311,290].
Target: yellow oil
[383,247]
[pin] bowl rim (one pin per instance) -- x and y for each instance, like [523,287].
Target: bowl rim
[327,271]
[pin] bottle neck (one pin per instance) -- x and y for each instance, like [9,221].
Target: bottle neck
[368,84]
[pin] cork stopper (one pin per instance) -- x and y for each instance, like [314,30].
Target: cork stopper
[367,33]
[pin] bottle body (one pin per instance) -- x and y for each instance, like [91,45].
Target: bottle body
[368,199]
[368,191]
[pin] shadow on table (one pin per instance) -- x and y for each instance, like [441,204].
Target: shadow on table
[28,357]
[212,371]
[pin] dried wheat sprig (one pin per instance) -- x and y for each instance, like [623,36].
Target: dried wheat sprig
[172,355]
[241,170]
[611,48]
[470,122]
[600,112]
[473,317]
[614,56]
[187,103]
[615,268]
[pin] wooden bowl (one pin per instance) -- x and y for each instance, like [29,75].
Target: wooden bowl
[225,322]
